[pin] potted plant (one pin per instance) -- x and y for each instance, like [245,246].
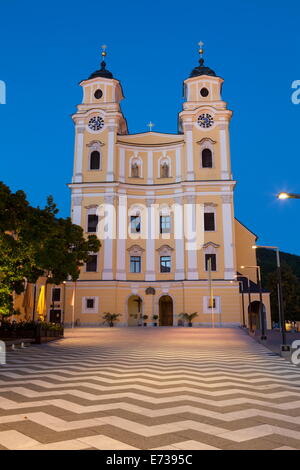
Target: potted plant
[110,318]
[145,317]
[183,317]
[188,317]
[155,318]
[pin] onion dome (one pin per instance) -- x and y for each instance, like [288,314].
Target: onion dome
[202,69]
[103,72]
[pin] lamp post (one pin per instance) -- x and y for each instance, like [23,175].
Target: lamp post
[243,304]
[258,273]
[288,196]
[284,346]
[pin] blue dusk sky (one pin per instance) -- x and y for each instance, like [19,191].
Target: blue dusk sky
[48,48]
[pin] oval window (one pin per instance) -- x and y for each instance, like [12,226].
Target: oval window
[98,94]
[204,92]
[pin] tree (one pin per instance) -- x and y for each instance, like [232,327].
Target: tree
[34,243]
[291,293]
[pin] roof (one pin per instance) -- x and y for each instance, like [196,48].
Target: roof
[150,138]
[250,231]
[101,72]
[202,70]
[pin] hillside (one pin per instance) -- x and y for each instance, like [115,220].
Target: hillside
[267,260]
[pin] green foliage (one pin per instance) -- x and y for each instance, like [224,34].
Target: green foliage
[290,271]
[35,243]
[110,318]
[188,317]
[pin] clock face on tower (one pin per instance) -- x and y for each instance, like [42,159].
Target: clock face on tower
[96,123]
[205,120]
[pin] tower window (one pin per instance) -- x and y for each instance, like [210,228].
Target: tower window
[206,158]
[204,92]
[92,223]
[165,264]
[135,264]
[95,160]
[91,265]
[98,94]
[213,258]
[209,221]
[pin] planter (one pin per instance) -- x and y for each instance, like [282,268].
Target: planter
[190,324]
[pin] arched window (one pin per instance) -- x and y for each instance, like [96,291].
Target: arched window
[164,170]
[206,158]
[95,160]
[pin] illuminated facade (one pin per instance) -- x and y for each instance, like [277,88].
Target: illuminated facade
[145,195]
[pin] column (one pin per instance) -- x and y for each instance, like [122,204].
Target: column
[121,239]
[189,151]
[78,154]
[122,165]
[229,271]
[110,153]
[178,164]
[107,273]
[179,239]
[150,242]
[191,242]
[150,168]
[223,152]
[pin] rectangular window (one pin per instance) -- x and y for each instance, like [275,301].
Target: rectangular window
[92,223]
[213,259]
[165,264]
[135,264]
[91,265]
[209,221]
[135,224]
[165,224]
[56,294]
[90,303]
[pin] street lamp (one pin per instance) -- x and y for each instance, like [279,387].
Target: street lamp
[288,196]
[263,332]
[284,346]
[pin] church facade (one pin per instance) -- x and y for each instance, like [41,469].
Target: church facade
[163,207]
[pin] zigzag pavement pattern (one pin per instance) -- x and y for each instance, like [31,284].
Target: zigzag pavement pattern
[158,388]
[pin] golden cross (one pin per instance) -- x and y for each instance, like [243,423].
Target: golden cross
[150,125]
